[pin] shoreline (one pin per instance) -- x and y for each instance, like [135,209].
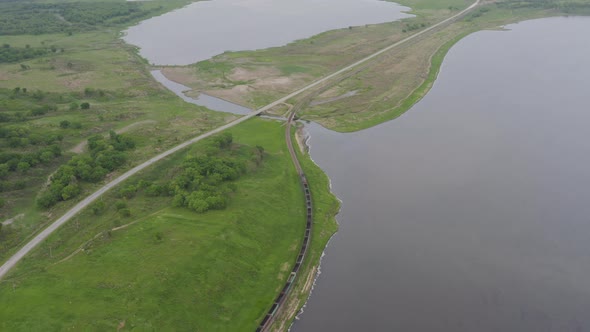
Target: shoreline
[316,270]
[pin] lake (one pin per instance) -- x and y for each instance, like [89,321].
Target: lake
[204,29]
[471,212]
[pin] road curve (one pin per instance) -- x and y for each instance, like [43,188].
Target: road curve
[12,261]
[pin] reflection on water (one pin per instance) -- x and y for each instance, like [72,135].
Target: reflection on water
[210,102]
[204,29]
[471,212]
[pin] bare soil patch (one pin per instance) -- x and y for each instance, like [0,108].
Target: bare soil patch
[13,219]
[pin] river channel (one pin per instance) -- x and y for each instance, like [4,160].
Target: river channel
[471,212]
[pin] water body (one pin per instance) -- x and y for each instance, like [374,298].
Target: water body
[210,102]
[204,29]
[472,211]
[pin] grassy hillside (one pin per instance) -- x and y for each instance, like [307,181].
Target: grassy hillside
[173,268]
[59,89]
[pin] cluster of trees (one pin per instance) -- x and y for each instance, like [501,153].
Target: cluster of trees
[18,136]
[570,7]
[19,104]
[413,26]
[478,13]
[205,182]
[202,182]
[21,137]
[67,124]
[105,155]
[39,18]
[22,162]
[15,54]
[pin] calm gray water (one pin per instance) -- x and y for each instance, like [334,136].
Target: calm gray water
[204,29]
[210,102]
[472,211]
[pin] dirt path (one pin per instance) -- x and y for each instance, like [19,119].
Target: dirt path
[13,219]
[82,145]
[14,259]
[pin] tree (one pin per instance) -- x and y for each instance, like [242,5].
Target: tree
[47,199]
[46,156]
[23,166]
[98,208]
[120,205]
[4,170]
[70,191]
[125,212]
[64,124]
[224,140]
[154,190]
[128,191]
[198,205]
[85,106]
[73,106]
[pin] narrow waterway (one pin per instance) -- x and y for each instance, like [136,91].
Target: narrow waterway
[204,29]
[472,211]
[212,103]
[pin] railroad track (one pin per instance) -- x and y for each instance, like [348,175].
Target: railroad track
[280,299]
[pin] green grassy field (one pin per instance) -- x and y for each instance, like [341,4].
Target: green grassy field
[174,269]
[95,61]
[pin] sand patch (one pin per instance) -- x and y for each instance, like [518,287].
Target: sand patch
[76,81]
[4,76]
[243,74]
[13,219]
[182,75]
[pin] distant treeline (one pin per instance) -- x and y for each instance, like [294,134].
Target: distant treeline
[14,54]
[566,6]
[18,18]
[20,104]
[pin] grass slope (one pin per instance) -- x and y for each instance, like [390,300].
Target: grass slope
[95,60]
[174,269]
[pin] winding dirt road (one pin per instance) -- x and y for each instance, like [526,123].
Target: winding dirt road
[12,261]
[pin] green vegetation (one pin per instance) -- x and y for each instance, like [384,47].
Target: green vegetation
[250,77]
[105,156]
[206,238]
[12,54]
[385,87]
[577,7]
[57,90]
[158,267]
[325,206]
[19,18]
[202,184]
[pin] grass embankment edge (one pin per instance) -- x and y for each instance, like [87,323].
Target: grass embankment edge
[420,92]
[326,207]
